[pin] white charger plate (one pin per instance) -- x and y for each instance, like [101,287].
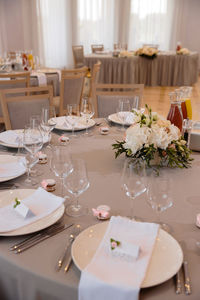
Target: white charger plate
[115,119]
[61,120]
[9,145]
[10,159]
[8,197]
[165,262]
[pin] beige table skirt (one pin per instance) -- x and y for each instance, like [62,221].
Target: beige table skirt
[165,70]
[31,275]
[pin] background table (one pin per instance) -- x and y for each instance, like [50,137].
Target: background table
[167,69]
[31,275]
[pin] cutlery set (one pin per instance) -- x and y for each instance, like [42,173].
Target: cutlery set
[39,237]
[186,276]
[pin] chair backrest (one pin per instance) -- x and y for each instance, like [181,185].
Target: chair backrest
[71,87]
[19,105]
[120,46]
[13,80]
[95,48]
[12,55]
[78,54]
[95,75]
[106,97]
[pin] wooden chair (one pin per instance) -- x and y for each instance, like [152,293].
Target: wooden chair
[12,55]
[95,74]
[71,88]
[95,48]
[78,54]
[13,80]
[106,97]
[19,105]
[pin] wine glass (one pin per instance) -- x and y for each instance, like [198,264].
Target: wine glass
[72,116]
[87,111]
[48,120]
[76,183]
[61,164]
[133,180]
[122,109]
[33,142]
[159,193]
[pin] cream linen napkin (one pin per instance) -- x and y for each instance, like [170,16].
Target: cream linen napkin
[65,122]
[15,137]
[42,79]
[109,276]
[13,168]
[40,203]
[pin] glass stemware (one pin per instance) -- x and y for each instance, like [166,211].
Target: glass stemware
[72,116]
[122,109]
[76,183]
[133,180]
[87,111]
[48,120]
[61,164]
[33,142]
[159,193]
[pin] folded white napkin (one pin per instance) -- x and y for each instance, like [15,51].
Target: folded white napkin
[42,79]
[15,137]
[13,168]
[111,276]
[126,117]
[65,122]
[40,203]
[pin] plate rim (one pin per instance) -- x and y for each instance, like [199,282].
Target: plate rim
[3,179]
[60,210]
[75,129]
[142,286]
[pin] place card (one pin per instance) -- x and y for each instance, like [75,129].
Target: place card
[21,208]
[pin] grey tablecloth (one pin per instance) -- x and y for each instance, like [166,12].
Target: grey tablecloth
[167,69]
[52,79]
[32,275]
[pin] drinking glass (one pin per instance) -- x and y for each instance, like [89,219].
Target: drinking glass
[76,183]
[33,142]
[122,109]
[61,164]
[87,111]
[133,180]
[159,193]
[48,120]
[72,116]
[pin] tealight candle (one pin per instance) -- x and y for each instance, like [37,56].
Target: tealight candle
[49,185]
[104,130]
[42,158]
[102,212]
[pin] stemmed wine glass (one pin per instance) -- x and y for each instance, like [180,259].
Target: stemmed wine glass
[48,120]
[133,180]
[122,109]
[72,116]
[159,193]
[87,111]
[76,183]
[33,143]
[61,164]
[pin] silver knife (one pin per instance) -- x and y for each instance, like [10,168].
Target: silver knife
[178,282]
[46,236]
[187,281]
[66,253]
[35,236]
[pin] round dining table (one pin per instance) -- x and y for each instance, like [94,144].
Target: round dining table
[32,274]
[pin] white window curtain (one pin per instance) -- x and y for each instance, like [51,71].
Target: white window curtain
[95,23]
[54,28]
[151,23]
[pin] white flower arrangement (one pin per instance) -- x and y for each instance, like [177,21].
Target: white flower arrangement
[183,51]
[151,136]
[146,51]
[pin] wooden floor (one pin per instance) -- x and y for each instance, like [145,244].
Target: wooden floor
[158,99]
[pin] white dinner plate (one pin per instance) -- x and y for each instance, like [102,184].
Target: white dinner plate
[166,259]
[10,144]
[10,159]
[7,198]
[67,127]
[115,119]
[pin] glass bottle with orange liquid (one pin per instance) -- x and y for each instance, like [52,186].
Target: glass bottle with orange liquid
[175,113]
[188,94]
[183,104]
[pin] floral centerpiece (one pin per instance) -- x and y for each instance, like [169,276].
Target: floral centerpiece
[148,52]
[183,51]
[155,140]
